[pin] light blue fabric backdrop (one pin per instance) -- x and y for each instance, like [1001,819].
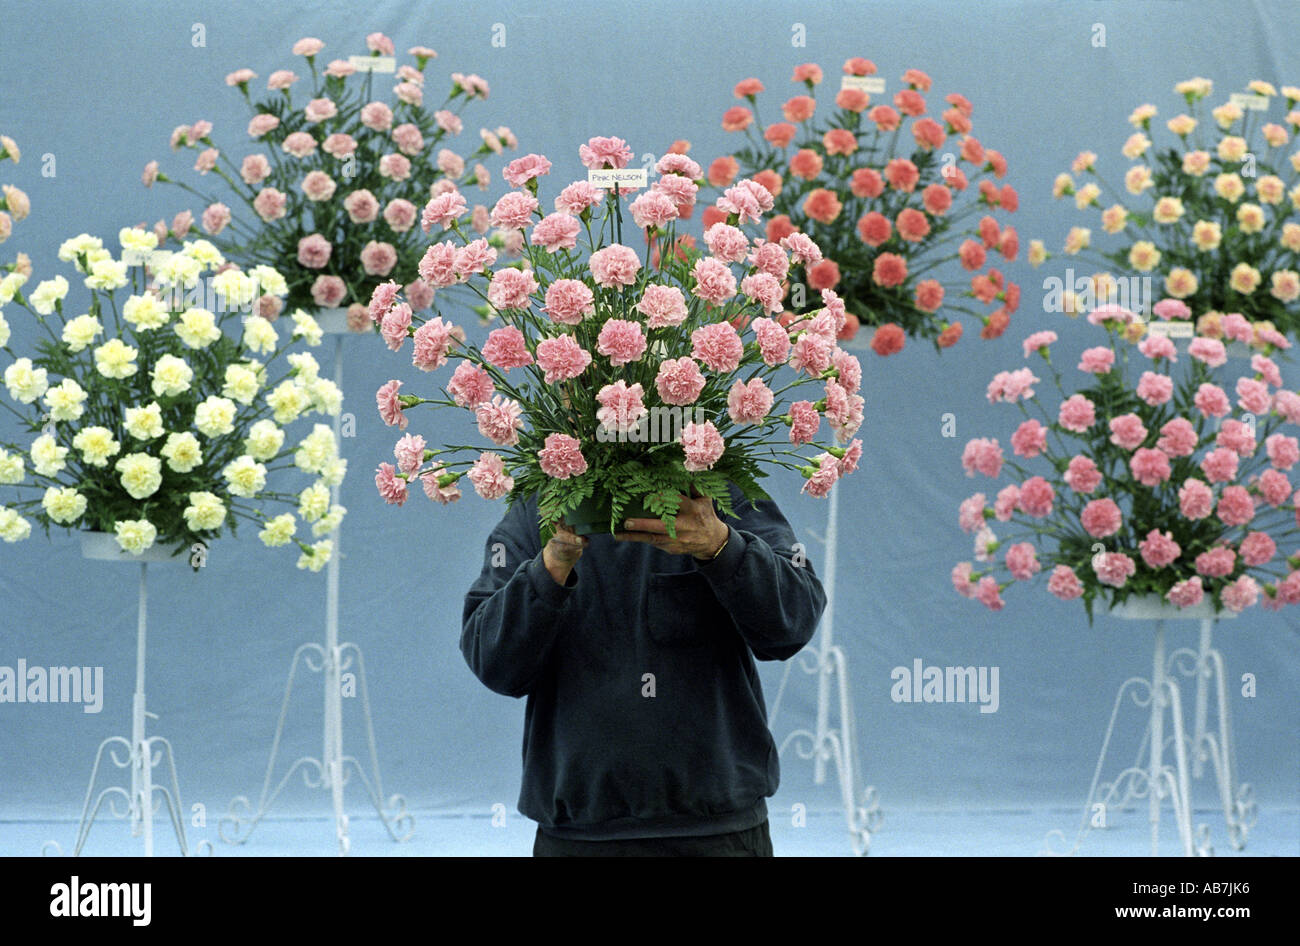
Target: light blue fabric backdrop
[100,86]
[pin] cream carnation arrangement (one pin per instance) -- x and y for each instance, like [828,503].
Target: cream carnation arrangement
[155,409]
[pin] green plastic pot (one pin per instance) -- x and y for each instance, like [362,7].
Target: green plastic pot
[592,515]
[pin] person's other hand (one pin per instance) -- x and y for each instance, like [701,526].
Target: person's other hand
[699,530]
[563,552]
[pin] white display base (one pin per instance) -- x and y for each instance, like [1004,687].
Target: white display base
[1151,777]
[836,743]
[860,341]
[333,321]
[331,660]
[142,753]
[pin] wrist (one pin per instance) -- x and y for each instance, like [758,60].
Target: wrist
[717,549]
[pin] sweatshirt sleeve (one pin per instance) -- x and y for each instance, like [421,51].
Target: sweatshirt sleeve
[513,611]
[766,582]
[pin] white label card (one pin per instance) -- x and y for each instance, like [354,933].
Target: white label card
[1172,329]
[373,63]
[1256,103]
[872,84]
[623,177]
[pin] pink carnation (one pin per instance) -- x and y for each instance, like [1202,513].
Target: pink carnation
[578,197]
[764,289]
[727,243]
[1208,350]
[988,593]
[1038,340]
[410,453]
[1195,499]
[679,381]
[1030,439]
[391,487]
[961,580]
[568,301]
[1237,437]
[804,421]
[1097,360]
[824,476]
[1127,431]
[377,258]
[1236,507]
[522,170]
[1077,413]
[328,291]
[1064,583]
[400,215]
[1257,548]
[1010,386]
[442,210]
[474,257]
[1253,396]
[773,341]
[1008,500]
[718,345]
[390,408]
[488,474]
[395,324]
[614,265]
[1022,561]
[1158,346]
[438,265]
[1211,400]
[1159,549]
[812,353]
[848,368]
[506,348]
[511,288]
[1101,517]
[433,340]
[714,281]
[1036,496]
[1155,389]
[1240,595]
[470,385]
[600,153]
[970,515]
[499,420]
[621,407]
[1186,594]
[514,210]
[653,209]
[621,341]
[270,204]
[1217,562]
[1082,474]
[983,456]
[703,446]
[1150,467]
[562,457]
[1220,465]
[1274,487]
[561,358]
[1177,438]
[361,206]
[557,231]
[663,306]
[1113,568]
[1283,451]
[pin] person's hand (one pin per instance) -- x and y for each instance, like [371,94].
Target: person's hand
[563,552]
[699,530]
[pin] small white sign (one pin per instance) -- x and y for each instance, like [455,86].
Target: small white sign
[373,63]
[873,84]
[1173,329]
[1255,103]
[623,177]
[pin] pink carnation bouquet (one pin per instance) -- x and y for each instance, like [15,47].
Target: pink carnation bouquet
[1153,478]
[621,378]
[905,204]
[1208,206]
[332,190]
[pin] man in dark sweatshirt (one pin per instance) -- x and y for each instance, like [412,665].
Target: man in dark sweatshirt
[646,730]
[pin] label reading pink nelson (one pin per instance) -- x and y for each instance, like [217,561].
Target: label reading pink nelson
[373,63]
[1174,328]
[874,85]
[1256,103]
[623,177]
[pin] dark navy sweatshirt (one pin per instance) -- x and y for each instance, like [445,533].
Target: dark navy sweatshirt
[645,715]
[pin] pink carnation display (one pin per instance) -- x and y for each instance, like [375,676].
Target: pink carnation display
[1150,479]
[621,379]
[908,207]
[355,175]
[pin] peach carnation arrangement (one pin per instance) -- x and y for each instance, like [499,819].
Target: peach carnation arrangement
[1147,480]
[907,206]
[1208,206]
[630,368]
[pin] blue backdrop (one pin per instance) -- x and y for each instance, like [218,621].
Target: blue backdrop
[100,86]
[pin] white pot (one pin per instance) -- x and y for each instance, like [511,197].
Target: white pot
[103,547]
[860,341]
[1155,608]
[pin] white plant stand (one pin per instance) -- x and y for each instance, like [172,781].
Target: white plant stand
[833,741]
[332,660]
[1152,777]
[142,754]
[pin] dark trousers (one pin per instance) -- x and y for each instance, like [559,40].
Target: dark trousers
[753,842]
